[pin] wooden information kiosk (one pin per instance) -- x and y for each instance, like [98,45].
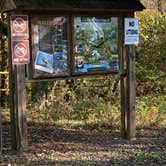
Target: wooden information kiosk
[67,39]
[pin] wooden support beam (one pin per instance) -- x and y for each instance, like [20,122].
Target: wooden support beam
[17,102]
[11,92]
[21,125]
[128,81]
[1,131]
[123,80]
[17,110]
[131,94]
[0,97]
[12,105]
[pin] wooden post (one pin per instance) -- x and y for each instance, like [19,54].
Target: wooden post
[17,102]
[11,92]
[0,132]
[123,81]
[0,98]
[21,124]
[128,94]
[17,110]
[131,94]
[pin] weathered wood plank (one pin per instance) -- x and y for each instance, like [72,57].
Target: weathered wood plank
[131,94]
[17,102]
[1,130]
[11,92]
[21,125]
[122,80]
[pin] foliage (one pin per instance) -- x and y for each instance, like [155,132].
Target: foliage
[151,59]
[151,111]
[77,99]
[151,51]
[3,60]
[83,100]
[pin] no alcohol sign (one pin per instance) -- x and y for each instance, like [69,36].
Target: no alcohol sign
[19,39]
[20,52]
[19,27]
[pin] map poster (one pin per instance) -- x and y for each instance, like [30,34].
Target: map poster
[20,52]
[19,27]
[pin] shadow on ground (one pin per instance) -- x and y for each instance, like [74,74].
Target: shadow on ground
[86,144]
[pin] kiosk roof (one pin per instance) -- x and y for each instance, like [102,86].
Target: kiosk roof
[71,5]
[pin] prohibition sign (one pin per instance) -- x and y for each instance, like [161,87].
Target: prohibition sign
[19,25]
[20,50]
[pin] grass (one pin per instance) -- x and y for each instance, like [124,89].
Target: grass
[150,111]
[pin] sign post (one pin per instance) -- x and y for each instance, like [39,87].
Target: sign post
[131,38]
[19,44]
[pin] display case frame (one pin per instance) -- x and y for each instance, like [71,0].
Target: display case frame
[70,47]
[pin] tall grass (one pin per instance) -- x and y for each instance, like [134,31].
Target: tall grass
[91,104]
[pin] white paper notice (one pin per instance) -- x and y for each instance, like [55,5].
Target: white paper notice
[131,31]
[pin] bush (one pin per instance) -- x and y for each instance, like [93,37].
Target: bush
[151,111]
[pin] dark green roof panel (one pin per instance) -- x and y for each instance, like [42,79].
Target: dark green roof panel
[69,5]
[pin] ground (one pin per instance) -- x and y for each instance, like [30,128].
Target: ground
[69,144]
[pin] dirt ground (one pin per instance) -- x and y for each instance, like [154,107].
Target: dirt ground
[86,144]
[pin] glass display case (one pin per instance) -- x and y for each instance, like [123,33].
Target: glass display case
[95,44]
[50,46]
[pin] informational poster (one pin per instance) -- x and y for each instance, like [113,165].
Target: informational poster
[131,31]
[95,44]
[49,46]
[20,39]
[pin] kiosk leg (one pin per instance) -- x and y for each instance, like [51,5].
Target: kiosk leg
[18,108]
[21,124]
[0,132]
[131,94]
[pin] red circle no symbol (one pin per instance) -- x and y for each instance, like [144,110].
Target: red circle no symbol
[20,50]
[19,25]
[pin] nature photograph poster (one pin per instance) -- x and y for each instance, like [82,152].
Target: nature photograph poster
[95,44]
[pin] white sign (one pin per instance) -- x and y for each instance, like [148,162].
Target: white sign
[131,31]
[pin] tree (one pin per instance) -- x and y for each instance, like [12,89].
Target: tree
[151,51]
